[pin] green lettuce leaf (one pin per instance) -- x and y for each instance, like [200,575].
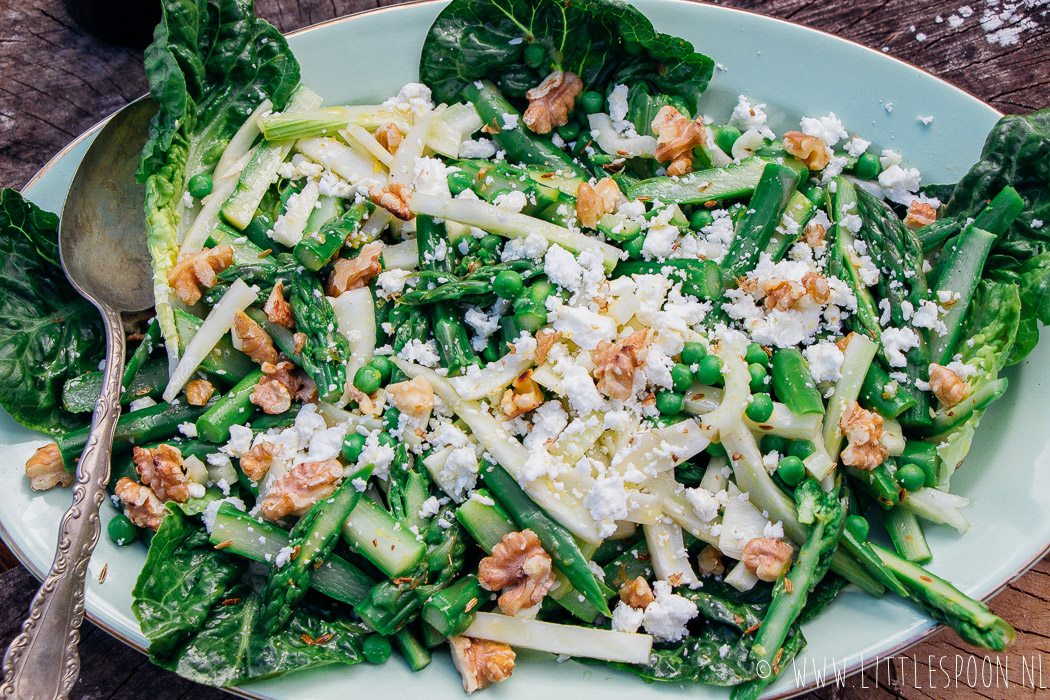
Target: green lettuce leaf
[992,331]
[49,332]
[1016,153]
[602,41]
[202,616]
[210,64]
[183,578]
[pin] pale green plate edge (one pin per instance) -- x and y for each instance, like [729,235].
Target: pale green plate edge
[796,71]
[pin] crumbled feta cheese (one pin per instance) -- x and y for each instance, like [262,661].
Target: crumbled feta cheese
[412,97]
[393,281]
[430,507]
[430,176]
[627,619]
[704,503]
[899,183]
[747,116]
[666,617]
[926,121]
[857,146]
[477,148]
[825,361]
[828,128]
[532,247]
[459,475]
[562,268]
[139,404]
[513,201]
[618,103]
[607,503]
[582,326]
[896,342]
[659,241]
[420,353]
[188,429]
[774,531]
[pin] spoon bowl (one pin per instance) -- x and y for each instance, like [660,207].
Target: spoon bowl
[102,245]
[102,232]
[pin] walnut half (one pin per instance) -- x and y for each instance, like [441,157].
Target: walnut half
[481,662]
[520,568]
[141,505]
[300,488]
[250,338]
[637,593]
[767,558]
[394,198]
[551,101]
[354,273]
[615,364]
[161,469]
[947,386]
[198,269]
[677,135]
[811,150]
[594,201]
[523,395]
[864,431]
[46,470]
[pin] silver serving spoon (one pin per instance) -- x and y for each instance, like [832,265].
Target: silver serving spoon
[102,244]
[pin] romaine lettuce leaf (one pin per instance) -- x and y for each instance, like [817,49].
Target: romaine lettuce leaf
[1016,153]
[49,332]
[210,64]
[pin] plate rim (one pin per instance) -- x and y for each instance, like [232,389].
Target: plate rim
[930,628]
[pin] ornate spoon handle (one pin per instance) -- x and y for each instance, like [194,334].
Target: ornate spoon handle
[42,662]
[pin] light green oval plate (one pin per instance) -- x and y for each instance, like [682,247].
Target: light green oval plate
[795,71]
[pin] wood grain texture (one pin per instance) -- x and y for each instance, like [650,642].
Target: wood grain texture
[58,81]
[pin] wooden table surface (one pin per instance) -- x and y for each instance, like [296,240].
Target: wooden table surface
[56,81]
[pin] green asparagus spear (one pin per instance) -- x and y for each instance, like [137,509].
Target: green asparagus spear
[235,408]
[452,610]
[326,350]
[519,145]
[825,515]
[312,540]
[761,218]
[907,535]
[948,605]
[556,540]
[793,383]
[316,250]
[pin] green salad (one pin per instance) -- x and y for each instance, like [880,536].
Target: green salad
[531,355]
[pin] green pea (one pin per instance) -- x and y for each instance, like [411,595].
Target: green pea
[592,102]
[911,477]
[692,353]
[569,131]
[709,370]
[868,166]
[384,365]
[760,408]
[633,246]
[121,530]
[535,55]
[773,443]
[801,448]
[385,440]
[458,181]
[368,379]
[353,446]
[508,284]
[376,649]
[791,471]
[199,185]
[669,403]
[858,526]
[759,375]
[715,449]
[700,218]
[817,195]
[491,241]
[727,136]
[756,354]
[681,377]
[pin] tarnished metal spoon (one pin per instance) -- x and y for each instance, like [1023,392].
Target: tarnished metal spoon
[102,244]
